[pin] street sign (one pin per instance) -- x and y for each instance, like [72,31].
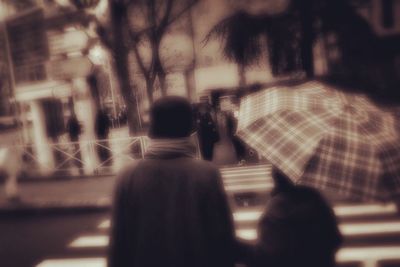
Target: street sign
[69,68]
[66,42]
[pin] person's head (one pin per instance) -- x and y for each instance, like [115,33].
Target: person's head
[298,221]
[171,117]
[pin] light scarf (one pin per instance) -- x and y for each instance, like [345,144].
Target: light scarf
[171,148]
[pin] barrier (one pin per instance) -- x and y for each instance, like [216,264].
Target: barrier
[92,157]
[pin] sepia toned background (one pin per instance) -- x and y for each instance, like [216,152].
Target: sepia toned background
[104,62]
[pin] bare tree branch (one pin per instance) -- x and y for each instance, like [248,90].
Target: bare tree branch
[137,35]
[146,72]
[164,20]
[180,13]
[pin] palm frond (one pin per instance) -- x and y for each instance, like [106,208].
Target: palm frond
[240,35]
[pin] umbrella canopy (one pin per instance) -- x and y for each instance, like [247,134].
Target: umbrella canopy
[325,138]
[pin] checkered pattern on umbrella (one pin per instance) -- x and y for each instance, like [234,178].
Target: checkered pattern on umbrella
[325,138]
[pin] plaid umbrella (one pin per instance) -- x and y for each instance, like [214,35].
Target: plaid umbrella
[321,137]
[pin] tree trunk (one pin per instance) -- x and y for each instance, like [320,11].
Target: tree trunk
[159,69]
[307,56]
[163,83]
[149,90]
[120,53]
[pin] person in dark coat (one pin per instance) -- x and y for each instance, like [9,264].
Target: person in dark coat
[298,228]
[170,209]
[207,132]
[102,128]
[74,129]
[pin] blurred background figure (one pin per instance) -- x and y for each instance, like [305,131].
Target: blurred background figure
[102,127]
[74,130]
[206,130]
[10,166]
[224,151]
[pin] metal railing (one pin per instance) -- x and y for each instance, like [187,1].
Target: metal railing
[91,157]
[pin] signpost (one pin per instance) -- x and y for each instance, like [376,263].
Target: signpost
[69,68]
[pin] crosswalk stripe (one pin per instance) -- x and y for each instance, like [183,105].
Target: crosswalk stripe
[248,187]
[365,209]
[247,216]
[246,182]
[75,262]
[347,229]
[377,228]
[246,234]
[104,224]
[243,168]
[247,173]
[340,211]
[370,256]
[86,241]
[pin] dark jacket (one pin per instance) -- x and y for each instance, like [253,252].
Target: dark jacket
[298,229]
[171,212]
[74,128]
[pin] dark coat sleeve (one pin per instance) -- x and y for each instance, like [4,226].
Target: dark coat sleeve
[120,245]
[218,222]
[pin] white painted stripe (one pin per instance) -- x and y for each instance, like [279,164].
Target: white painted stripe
[247,234]
[104,224]
[76,262]
[247,216]
[243,174]
[89,241]
[252,168]
[376,228]
[368,255]
[244,180]
[249,187]
[350,228]
[251,234]
[365,209]
[263,170]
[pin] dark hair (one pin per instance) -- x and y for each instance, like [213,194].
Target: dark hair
[171,117]
[281,181]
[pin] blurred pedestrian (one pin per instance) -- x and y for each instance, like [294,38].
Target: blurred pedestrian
[10,167]
[170,209]
[298,228]
[74,129]
[102,127]
[207,131]
[224,150]
[238,144]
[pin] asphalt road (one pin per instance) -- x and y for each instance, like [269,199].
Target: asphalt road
[371,230]
[27,240]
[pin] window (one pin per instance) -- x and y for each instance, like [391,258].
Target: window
[28,46]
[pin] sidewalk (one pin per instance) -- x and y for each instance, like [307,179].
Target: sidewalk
[60,195]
